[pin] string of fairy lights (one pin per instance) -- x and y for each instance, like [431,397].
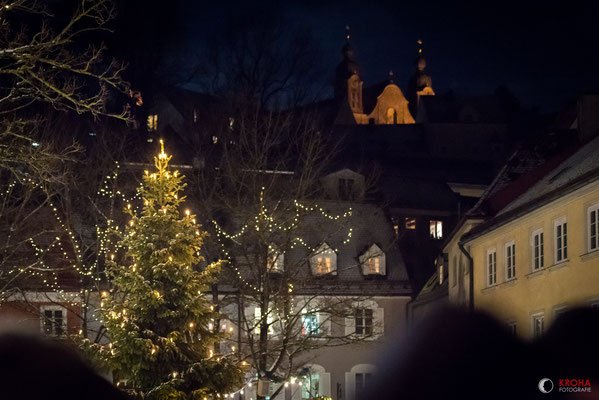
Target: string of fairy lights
[265,221]
[108,246]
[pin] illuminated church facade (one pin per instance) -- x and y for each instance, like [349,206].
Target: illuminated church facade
[384,104]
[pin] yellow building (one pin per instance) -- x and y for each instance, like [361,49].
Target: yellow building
[538,255]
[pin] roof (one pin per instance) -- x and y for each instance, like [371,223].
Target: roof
[406,192]
[449,108]
[582,162]
[349,238]
[565,172]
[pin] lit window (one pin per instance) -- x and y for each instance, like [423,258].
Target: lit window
[537,250]
[364,321]
[53,320]
[561,240]
[538,324]
[276,260]
[323,265]
[374,265]
[510,260]
[231,123]
[436,229]
[214,139]
[311,386]
[310,324]
[491,267]
[258,321]
[441,274]
[410,223]
[391,116]
[373,261]
[152,122]
[195,115]
[324,261]
[593,223]
[35,144]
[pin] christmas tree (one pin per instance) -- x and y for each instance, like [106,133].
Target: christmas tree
[157,316]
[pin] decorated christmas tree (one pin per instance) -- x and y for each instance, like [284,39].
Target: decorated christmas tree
[159,321]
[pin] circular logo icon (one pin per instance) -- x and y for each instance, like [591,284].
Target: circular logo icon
[545,385]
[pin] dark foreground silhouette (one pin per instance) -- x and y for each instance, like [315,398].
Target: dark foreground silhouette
[33,368]
[458,355]
[452,355]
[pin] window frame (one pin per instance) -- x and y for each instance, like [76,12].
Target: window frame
[513,327]
[364,327]
[563,223]
[593,208]
[541,235]
[373,254]
[510,246]
[64,324]
[533,319]
[325,252]
[491,251]
[435,227]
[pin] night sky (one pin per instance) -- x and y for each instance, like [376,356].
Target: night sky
[545,52]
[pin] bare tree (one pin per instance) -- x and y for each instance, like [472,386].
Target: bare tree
[261,193]
[47,62]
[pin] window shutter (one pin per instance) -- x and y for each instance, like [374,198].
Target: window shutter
[379,321]
[324,388]
[350,325]
[325,324]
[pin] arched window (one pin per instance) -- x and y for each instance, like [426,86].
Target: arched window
[316,382]
[359,381]
[391,116]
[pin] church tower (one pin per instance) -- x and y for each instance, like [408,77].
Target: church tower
[421,83]
[347,78]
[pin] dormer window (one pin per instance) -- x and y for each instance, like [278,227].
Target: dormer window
[373,261]
[276,259]
[324,261]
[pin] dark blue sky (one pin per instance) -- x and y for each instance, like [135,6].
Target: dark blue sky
[545,53]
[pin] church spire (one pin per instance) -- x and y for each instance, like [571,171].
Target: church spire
[421,83]
[347,67]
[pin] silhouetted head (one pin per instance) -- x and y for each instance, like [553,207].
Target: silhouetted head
[33,368]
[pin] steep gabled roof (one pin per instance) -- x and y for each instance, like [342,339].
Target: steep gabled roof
[565,172]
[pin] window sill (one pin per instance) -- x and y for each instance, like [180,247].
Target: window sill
[535,273]
[558,265]
[510,282]
[490,288]
[590,255]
